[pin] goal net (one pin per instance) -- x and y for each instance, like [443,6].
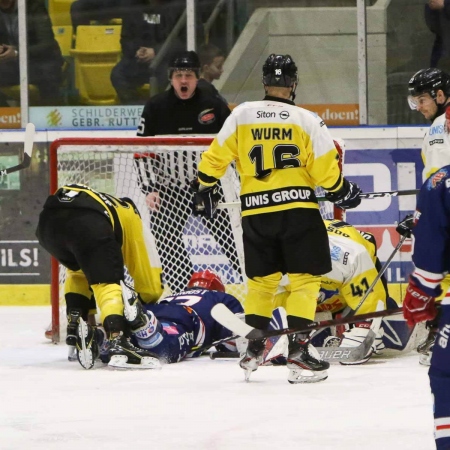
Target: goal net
[155,173]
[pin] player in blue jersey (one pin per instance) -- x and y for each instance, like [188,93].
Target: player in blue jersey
[178,325]
[431,258]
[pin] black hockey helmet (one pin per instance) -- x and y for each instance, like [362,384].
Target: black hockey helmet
[429,80]
[186,60]
[279,70]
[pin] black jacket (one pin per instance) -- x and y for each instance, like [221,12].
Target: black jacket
[42,45]
[148,25]
[165,113]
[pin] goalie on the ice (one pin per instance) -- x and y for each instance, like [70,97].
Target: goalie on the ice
[355,266]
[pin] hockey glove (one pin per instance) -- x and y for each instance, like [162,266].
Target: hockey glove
[347,197]
[405,226]
[205,200]
[417,305]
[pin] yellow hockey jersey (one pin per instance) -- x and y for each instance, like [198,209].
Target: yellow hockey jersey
[138,246]
[353,258]
[282,153]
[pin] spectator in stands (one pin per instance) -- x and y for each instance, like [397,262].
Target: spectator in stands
[211,68]
[144,30]
[437,18]
[44,55]
[83,12]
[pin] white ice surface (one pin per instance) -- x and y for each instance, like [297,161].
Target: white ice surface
[48,403]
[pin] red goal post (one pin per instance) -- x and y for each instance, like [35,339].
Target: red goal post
[125,167]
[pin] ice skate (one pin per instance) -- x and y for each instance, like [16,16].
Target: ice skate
[86,345]
[425,348]
[124,355]
[253,357]
[73,318]
[304,363]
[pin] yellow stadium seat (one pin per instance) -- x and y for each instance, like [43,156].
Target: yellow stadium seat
[97,50]
[59,12]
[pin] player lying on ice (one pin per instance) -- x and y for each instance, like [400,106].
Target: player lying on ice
[178,325]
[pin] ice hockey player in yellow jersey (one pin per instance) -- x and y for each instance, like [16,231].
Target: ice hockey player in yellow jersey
[282,152]
[94,235]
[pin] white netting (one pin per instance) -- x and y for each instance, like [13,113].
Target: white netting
[185,243]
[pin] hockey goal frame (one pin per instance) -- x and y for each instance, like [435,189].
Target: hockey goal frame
[147,145]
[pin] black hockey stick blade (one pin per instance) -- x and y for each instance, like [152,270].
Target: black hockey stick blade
[27,151]
[224,355]
[227,318]
[371,195]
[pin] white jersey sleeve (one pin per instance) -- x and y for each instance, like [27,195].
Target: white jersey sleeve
[435,147]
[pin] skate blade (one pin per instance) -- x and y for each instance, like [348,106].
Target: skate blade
[72,353]
[247,373]
[120,362]
[306,376]
[84,354]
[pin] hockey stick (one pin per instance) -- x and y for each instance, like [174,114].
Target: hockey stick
[27,151]
[330,354]
[227,318]
[363,195]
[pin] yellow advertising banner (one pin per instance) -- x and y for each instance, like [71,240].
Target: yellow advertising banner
[10,117]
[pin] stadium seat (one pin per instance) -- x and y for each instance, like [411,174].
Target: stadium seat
[59,12]
[97,50]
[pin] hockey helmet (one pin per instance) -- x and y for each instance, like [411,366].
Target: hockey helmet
[186,60]
[206,280]
[428,81]
[279,70]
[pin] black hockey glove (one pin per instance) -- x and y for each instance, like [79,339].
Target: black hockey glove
[404,228]
[205,200]
[347,197]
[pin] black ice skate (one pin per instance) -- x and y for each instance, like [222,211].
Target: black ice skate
[253,356]
[73,318]
[86,345]
[124,355]
[425,348]
[304,363]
